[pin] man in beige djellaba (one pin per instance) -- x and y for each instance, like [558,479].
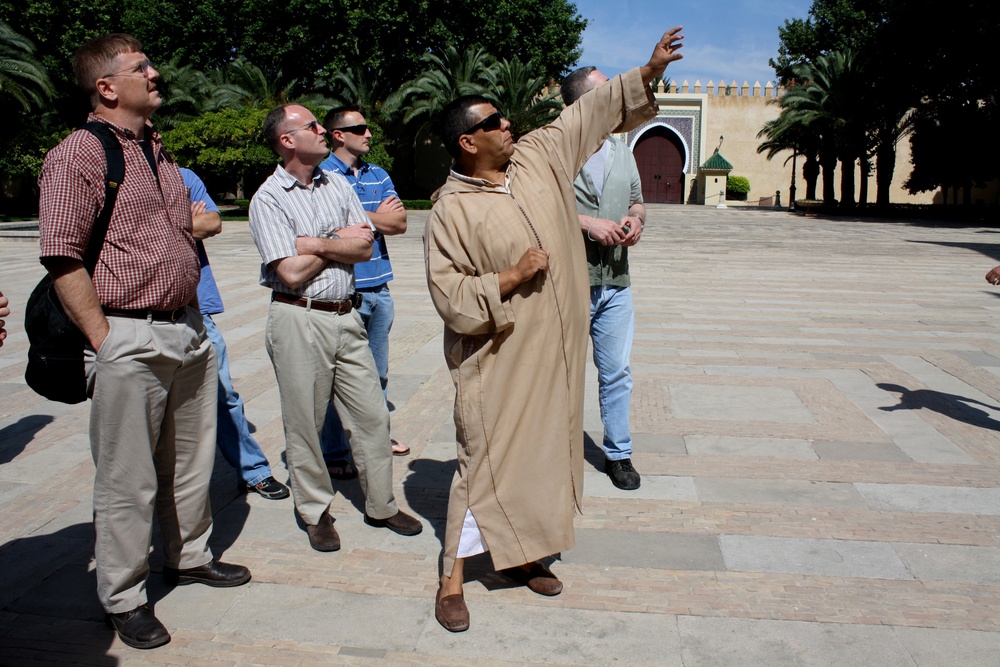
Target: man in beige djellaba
[507,273]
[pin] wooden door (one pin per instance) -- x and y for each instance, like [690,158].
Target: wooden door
[659,154]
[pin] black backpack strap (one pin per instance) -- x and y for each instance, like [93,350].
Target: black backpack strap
[112,179]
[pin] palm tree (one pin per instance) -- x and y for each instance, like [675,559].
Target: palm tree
[22,77]
[829,104]
[785,134]
[444,78]
[519,95]
[362,86]
[186,93]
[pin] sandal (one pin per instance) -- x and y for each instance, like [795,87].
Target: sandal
[341,469]
[398,448]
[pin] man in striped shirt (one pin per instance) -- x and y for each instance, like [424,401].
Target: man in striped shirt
[310,230]
[349,137]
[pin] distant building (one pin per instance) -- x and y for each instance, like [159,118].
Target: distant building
[675,150]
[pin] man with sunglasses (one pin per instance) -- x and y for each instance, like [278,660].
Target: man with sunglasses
[310,230]
[507,273]
[150,365]
[349,138]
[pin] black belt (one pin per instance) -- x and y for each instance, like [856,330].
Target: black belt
[154,315]
[340,307]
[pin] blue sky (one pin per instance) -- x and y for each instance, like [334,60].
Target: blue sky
[725,39]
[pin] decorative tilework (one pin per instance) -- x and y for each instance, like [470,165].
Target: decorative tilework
[686,124]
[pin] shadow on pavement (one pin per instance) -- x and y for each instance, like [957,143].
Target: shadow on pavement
[49,610]
[950,405]
[15,437]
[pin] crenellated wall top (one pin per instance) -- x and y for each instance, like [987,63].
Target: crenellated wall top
[723,89]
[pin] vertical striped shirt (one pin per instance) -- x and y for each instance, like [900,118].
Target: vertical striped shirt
[284,209]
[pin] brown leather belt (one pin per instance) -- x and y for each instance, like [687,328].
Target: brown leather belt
[154,315]
[340,307]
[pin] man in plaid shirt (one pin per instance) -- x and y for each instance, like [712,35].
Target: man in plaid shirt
[151,368]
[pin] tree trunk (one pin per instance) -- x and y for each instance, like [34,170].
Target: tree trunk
[810,172]
[866,168]
[829,165]
[847,181]
[885,165]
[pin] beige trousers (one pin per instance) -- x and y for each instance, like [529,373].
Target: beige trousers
[318,357]
[152,437]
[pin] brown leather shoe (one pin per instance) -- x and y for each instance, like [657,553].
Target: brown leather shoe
[451,612]
[323,536]
[400,522]
[537,578]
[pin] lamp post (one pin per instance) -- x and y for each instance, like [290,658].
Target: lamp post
[791,188]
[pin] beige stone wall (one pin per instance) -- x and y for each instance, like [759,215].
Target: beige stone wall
[738,118]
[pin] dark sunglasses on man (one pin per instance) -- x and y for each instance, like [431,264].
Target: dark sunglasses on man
[488,124]
[359,130]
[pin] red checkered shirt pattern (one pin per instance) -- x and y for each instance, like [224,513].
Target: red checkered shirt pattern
[149,259]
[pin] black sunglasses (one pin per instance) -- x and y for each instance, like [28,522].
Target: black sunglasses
[488,124]
[353,129]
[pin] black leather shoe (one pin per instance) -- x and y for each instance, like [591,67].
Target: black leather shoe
[270,488]
[622,474]
[139,628]
[401,523]
[323,536]
[215,573]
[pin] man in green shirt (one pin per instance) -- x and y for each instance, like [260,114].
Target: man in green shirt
[612,216]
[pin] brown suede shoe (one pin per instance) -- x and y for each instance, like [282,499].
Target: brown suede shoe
[323,536]
[451,612]
[400,522]
[538,579]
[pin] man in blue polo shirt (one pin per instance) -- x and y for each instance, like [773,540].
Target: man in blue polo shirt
[233,437]
[349,139]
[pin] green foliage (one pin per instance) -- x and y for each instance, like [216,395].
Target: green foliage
[224,146]
[233,54]
[444,77]
[22,153]
[833,25]
[378,153]
[417,204]
[518,94]
[22,77]
[740,184]
[952,96]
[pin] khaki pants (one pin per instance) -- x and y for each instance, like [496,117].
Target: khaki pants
[318,357]
[152,436]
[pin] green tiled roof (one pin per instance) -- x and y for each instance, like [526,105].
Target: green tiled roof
[717,162]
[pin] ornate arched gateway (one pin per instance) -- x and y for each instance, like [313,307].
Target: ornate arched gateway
[662,159]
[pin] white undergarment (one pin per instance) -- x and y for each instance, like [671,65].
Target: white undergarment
[471,542]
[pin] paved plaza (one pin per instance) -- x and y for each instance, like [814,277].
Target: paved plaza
[816,418]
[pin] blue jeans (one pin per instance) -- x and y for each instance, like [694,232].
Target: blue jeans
[612,325]
[377,312]
[233,434]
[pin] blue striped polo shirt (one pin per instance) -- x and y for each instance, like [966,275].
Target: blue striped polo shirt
[372,185]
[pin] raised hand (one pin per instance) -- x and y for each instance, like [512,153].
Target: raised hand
[666,51]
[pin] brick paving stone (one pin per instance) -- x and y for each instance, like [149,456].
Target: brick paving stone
[817,312]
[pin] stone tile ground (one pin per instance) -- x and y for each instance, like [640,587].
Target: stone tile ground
[817,421]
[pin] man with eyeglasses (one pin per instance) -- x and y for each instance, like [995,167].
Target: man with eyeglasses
[349,140]
[507,273]
[310,230]
[150,366]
